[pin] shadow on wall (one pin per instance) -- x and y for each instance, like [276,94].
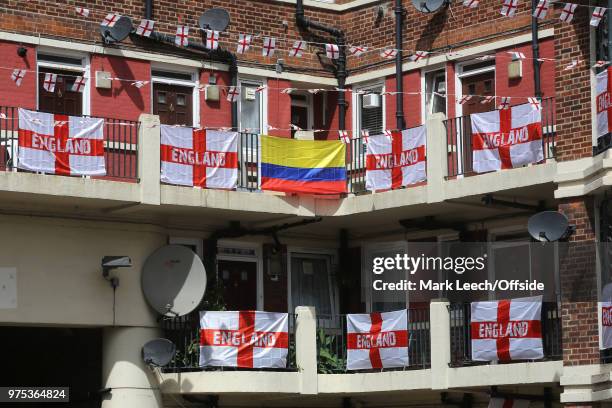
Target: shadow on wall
[122,69]
[432,30]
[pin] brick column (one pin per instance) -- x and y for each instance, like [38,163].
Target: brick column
[578,278]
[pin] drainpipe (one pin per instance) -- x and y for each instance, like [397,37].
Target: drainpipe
[340,72]
[148,11]
[221,54]
[609,57]
[535,50]
[399,83]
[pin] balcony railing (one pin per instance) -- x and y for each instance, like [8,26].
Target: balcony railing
[461,341]
[459,139]
[120,145]
[331,342]
[184,332]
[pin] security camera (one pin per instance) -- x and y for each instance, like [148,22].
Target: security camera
[113,262]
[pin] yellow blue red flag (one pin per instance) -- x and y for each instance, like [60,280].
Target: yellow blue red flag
[303,166]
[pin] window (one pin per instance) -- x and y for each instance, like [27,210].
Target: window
[251,107]
[62,100]
[312,283]
[383,300]
[369,116]
[435,93]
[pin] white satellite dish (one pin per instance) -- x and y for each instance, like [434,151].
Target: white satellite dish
[173,280]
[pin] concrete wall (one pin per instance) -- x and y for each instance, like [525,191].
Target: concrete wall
[59,278]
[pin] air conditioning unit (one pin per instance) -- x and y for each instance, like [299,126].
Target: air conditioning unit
[371,101]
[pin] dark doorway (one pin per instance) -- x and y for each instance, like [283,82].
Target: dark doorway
[299,117]
[481,85]
[173,104]
[62,100]
[54,357]
[239,284]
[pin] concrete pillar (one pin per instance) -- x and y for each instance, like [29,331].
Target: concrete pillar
[132,383]
[306,348]
[437,157]
[149,159]
[439,331]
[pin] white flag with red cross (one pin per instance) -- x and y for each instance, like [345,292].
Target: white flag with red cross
[508,403]
[145,28]
[507,138]
[509,8]
[567,14]
[377,340]
[605,329]
[332,51]
[269,45]
[505,330]
[182,36]
[17,76]
[49,82]
[603,92]
[396,161]
[244,43]
[61,144]
[212,39]
[199,157]
[246,339]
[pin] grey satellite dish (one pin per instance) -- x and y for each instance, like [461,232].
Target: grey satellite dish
[158,352]
[429,6]
[118,32]
[173,280]
[215,19]
[549,226]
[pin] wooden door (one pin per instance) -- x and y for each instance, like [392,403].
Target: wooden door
[239,284]
[481,85]
[173,104]
[62,100]
[299,117]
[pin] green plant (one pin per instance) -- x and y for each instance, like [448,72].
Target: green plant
[213,299]
[328,361]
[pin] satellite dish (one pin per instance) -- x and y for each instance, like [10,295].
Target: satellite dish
[158,352]
[173,280]
[215,19]
[549,226]
[118,32]
[429,6]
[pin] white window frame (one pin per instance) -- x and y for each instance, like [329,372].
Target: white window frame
[460,74]
[193,83]
[263,108]
[356,120]
[257,259]
[84,70]
[197,242]
[424,73]
[317,253]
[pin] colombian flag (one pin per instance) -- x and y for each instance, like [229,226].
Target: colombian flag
[303,166]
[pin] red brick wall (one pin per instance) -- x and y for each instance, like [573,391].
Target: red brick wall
[579,285]
[10,94]
[123,100]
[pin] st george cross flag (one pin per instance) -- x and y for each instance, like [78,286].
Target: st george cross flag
[145,28]
[49,82]
[541,9]
[244,43]
[509,8]
[396,161]
[332,51]
[507,138]
[508,403]
[605,335]
[17,76]
[61,144]
[603,88]
[182,36]
[244,339]
[212,39]
[567,14]
[199,157]
[269,45]
[505,330]
[377,340]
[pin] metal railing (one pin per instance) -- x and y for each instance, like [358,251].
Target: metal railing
[461,341]
[356,165]
[459,139]
[332,342]
[184,332]
[120,145]
[248,161]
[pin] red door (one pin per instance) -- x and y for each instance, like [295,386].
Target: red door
[239,280]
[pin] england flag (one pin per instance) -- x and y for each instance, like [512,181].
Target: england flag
[507,138]
[199,157]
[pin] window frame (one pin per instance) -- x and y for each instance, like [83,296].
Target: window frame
[460,74]
[257,258]
[356,120]
[424,73]
[317,253]
[263,108]
[193,83]
[84,70]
